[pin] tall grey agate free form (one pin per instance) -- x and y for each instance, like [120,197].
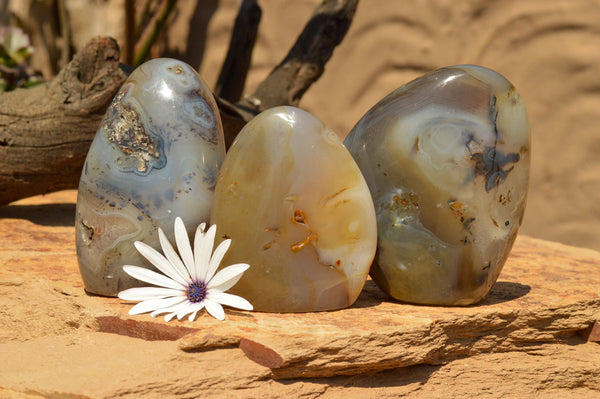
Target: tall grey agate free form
[446,158]
[156,156]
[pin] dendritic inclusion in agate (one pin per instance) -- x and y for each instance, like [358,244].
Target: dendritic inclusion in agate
[298,210]
[156,156]
[447,159]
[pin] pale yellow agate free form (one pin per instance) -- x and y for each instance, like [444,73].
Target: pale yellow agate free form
[298,210]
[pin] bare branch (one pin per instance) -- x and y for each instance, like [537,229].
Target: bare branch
[232,78]
[306,61]
[65,33]
[150,34]
[130,33]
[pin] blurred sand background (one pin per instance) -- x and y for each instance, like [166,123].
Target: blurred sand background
[549,50]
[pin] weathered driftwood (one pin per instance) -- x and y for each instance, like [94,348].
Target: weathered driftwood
[45,132]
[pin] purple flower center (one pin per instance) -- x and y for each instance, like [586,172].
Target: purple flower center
[196,292]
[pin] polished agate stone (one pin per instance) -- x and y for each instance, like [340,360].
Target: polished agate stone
[298,210]
[156,156]
[447,160]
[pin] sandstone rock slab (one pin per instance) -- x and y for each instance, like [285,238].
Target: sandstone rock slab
[55,339]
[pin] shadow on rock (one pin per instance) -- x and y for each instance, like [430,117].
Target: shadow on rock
[45,215]
[410,377]
[370,296]
[504,291]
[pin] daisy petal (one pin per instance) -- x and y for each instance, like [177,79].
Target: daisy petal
[172,256]
[195,308]
[197,238]
[230,272]
[182,313]
[183,245]
[230,300]
[159,261]
[193,316]
[227,284]
[154,304]
[172,309]
[215,309]
[169,317]
[202,250]
[159,312]
[148,276]
[216,259]
[144,293]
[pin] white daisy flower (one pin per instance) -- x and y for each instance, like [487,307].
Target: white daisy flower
[190,283]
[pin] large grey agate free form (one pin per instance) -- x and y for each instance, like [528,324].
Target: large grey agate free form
[446,158]
[156,156]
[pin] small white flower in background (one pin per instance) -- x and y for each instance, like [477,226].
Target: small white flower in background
[190,283]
